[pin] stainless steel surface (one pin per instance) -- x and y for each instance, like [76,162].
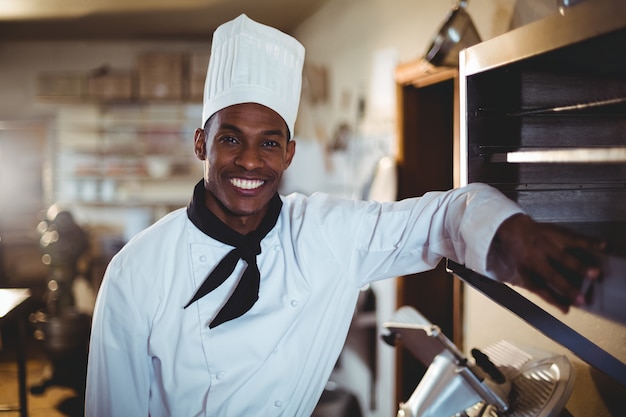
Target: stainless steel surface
[542,382]
[586,20]
[543,119]
[451,383]
[564,4]
[572,108]
[503,380]
[423,339]
[455,34]
[446,390]
[562,155]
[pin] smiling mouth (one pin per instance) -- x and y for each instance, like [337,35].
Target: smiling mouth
[246,184]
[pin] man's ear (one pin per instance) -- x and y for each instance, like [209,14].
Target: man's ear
[199,144]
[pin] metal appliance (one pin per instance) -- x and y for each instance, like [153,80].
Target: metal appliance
[455,34]
[61,326]
[501,380]
[543,119]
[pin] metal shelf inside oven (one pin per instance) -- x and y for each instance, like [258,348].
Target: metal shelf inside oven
[576,155]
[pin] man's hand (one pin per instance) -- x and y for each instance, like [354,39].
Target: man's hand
[550,260]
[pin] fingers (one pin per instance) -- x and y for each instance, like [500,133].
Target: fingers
[554,284]
[563,274]
[552,261]
[572,260]
[539,286]
[554,299]
[580,246]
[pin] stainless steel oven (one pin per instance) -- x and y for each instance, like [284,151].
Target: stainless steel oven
[543,119]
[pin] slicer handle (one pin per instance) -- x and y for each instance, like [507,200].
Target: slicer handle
[489,367]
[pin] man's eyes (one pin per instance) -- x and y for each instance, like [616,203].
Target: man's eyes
[228,139]
[268,143]
[271,143]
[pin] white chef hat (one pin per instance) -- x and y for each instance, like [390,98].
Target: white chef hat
[254,63]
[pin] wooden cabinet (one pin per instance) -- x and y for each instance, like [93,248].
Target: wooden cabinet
[428,132]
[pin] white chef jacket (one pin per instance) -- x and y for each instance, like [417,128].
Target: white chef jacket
[151,357]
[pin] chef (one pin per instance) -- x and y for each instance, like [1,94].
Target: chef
[239,304]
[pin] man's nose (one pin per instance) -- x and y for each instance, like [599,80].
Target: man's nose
[249,158]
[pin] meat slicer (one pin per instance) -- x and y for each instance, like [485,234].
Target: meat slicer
[500,380]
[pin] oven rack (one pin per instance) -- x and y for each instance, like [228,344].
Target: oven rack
[562,155]
[611,107]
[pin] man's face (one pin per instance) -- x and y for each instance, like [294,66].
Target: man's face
[246,148]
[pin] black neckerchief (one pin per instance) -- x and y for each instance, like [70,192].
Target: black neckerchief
[246,247]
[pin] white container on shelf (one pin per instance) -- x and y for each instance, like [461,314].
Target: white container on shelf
[158,166]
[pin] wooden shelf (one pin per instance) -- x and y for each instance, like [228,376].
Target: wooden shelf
[65,100]
[420,73]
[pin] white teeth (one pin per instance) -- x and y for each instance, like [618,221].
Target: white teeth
[246,184]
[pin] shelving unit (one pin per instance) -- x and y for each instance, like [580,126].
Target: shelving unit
[116,162]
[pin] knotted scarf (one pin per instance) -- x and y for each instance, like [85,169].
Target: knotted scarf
[246,247]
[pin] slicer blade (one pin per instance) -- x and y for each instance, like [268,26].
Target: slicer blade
[542,382]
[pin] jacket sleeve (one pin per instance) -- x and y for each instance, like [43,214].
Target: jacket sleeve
[413,235]
[118,371]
